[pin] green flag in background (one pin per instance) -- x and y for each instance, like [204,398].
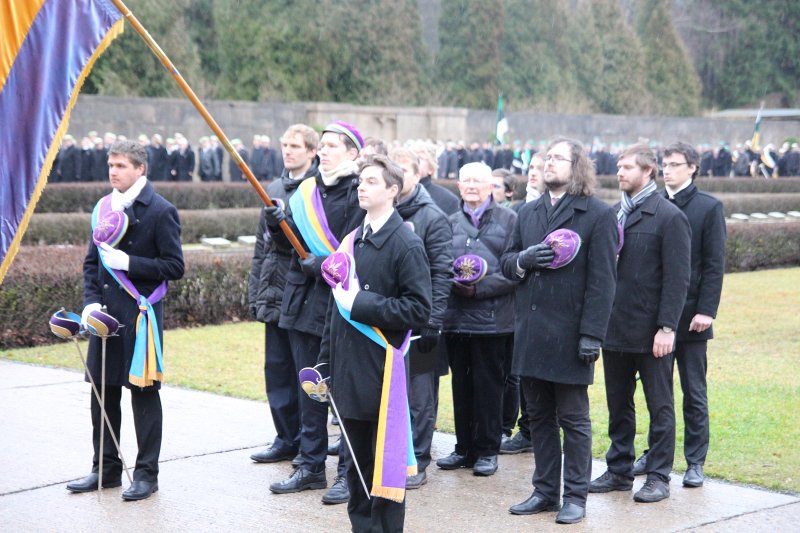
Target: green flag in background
[502,123]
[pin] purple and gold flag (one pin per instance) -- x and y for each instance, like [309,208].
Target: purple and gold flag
[47,48]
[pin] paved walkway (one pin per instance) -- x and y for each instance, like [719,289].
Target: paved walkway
[208,482]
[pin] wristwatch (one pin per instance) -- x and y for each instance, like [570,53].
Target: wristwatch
[666,329]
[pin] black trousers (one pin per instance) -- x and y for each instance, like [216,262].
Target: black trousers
[656,374]
[478,367]
[553,407]
[514,408]
[313,414]
[282,387]
[147,420]
[368,515]
[692,361]
[423,400]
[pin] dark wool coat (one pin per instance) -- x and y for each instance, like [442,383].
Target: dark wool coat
[271,262]
[491,310]
[555,307]
[153,243]
[157,163]
[396,296]
[653,273]
[707,221]
[305,299]
[183,165]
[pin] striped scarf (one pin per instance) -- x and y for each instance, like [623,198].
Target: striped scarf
[628,204]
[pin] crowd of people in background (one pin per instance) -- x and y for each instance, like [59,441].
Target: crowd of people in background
[174,159]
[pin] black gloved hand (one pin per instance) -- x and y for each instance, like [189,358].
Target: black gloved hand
[467,291]
[428,339]
[274,216]
[309,266]
[536,257]
[588,349]
[254,311]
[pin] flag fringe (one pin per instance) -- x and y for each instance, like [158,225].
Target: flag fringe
[389,493]
[112,34]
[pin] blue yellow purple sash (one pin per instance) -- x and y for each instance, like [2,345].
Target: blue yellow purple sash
[309,217]
[147,364]
[394,449]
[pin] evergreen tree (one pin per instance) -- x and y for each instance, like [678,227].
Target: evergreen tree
[670,77]
[468,65]
[608,59]
[129,68]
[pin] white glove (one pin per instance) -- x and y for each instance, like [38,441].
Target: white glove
[88,309]
[115,259]
[346,298]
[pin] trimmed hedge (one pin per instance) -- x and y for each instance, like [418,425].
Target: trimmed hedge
[73,228]
[214,289]
[82,197]
[43,279]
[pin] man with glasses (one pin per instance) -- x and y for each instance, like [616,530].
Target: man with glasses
[707,220]
[653,271]
[561,318]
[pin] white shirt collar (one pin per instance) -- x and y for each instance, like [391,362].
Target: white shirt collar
[378,223]
[672,192]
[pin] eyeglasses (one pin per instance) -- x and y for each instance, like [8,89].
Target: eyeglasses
[556,159]
[673,165]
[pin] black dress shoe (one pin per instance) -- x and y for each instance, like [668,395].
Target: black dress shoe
[273,455]
[338,493]
[516,444]
[654,490]
[485,466]
[416,481]
[140,490]
[534,504]
[640,466]
[610,481]
[89,483]
[694,476]
[301,479]
[570,513]
[454,461]
[333,449]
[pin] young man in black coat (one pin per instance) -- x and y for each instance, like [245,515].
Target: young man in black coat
[562,315]
[305,298]
[267,283]
[479,325]
[707,220]
[149,254]
[418,209]
[392,293]
[652,278]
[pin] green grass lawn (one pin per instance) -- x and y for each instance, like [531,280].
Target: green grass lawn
[754,391]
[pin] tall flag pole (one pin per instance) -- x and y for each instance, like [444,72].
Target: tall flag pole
[757,130]
[47,48]
[502,123]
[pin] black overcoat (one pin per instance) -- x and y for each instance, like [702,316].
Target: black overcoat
[554,307]
[652,276]
[153,243]
[395,280]
[707,221]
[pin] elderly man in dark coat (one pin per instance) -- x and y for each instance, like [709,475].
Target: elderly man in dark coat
[707,220]
[561,320]
[149,254]
[652,278]
[395,296]
[479,324]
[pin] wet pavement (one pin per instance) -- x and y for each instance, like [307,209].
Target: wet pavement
[208,483]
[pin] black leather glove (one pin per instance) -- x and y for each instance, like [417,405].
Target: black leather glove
[274,216]
[254,311]
[309,266]
[467,291]
[536,257]
[588,349]
[428,339]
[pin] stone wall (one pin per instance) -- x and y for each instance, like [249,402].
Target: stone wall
[131,116]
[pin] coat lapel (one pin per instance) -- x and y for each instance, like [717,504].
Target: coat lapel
[648,207]
[567,211]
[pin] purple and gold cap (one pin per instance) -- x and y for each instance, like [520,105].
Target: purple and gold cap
[101,323]
[110,228]
[65,324]
[565,243]
[313,384]
[469,269]
[346,129]
[336,269]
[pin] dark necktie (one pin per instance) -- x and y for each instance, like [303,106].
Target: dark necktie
[368,233]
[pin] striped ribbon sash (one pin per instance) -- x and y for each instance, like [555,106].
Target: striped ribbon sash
[147,365]
[309,217]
